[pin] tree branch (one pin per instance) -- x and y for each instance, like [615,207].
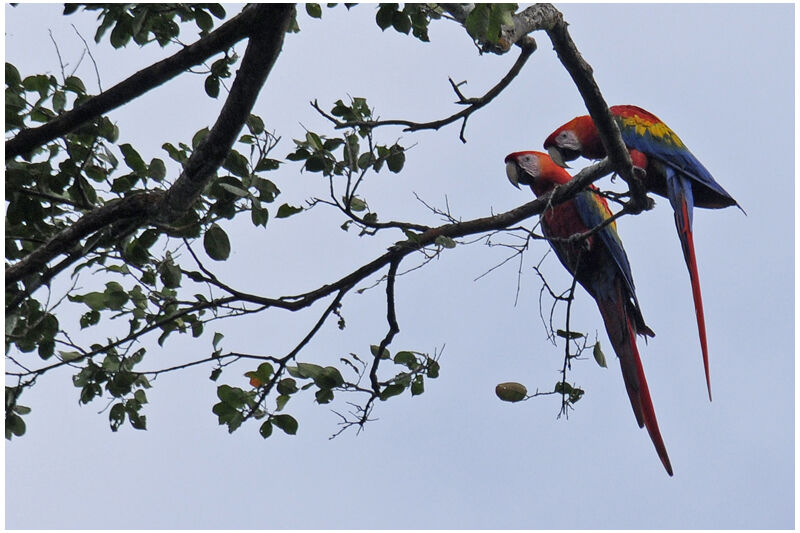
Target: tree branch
[221,39]
[262,51]
[391,318]
[473,104]
[265,44]
[546,17]
[393,257]
[135,206]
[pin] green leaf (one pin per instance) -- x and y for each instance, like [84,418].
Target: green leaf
[477,22]
[392,390]
[258,215]
[116,416]
[357,204]
[133,159]
[39,83]
[314,11]
[157,169]
[216,243]
[571,335]
[406,358]
[266,429]
[95,300]
[116,297]
[433,369]
[12,75]
[373,348]
[170,275]
[396,161]
[287,386]
[237,164]
[140,396]
[384,15]
[265,164]
[285,422]
[315,163]
[562,387]
[255,124]
[324,396]
[203,20]
[137,421]
[445,242]
[417,386]
[21,409]
[599,356]
[216,9]
[215,374]
[264,371]
[74,84]
[233,396]
[281,400]
[401,22]
[14,426]
[59,101]
[198,137]
[287,210]
[217,337]
[329,378]
[211,86]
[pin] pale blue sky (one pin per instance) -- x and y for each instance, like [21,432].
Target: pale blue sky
[722,76]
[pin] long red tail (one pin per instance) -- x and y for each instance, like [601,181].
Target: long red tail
[622,333]
[682,222]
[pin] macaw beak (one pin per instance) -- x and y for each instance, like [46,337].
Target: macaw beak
[512,171]
[557,156]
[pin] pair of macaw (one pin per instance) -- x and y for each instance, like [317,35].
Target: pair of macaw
[599,262]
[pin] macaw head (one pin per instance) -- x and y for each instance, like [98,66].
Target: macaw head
[535,169]
[578,137]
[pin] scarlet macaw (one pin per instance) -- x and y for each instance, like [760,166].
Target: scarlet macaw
[600,265]
[671,171]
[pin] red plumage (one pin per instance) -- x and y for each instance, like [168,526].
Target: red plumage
[671,170]
[600,265]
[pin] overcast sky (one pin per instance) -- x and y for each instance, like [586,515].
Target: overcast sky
[722,76]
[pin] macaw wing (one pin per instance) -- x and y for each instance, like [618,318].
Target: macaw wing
[593,211]
[658,141]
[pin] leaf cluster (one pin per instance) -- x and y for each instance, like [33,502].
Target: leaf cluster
[413,18]
[145,23]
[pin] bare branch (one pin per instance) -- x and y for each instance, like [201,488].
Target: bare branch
[391,318]
[474,104]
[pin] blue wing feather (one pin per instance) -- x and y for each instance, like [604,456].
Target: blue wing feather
[593,213]
[677,157]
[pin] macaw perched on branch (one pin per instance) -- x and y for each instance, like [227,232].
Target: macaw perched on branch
[671,171]
[599,263]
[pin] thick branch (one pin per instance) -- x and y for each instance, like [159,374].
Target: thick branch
[392,258]
[143,81]
[132,207]
[582,75]
[546,17]
[262,51]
